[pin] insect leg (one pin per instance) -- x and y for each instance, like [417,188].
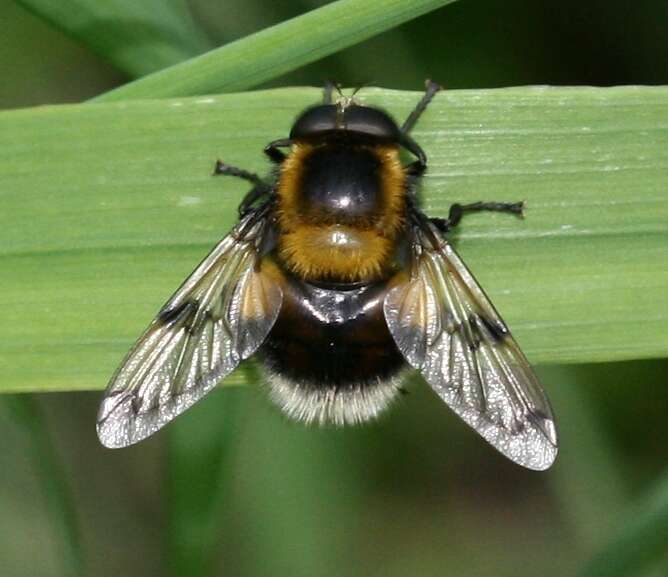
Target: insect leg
[431,89]
[252,196]
[457,212]
[273,152]
[422,222]
[222,168]
[328,91]
[417,168]
[260,189]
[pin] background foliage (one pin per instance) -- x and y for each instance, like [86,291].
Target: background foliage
[234,489]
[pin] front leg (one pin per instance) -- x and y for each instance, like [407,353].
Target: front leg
[260,189]
[273,152]
[228,170]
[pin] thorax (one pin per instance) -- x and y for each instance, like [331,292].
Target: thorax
[341,208]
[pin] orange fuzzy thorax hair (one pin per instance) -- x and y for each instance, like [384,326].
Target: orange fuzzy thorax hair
[326,250]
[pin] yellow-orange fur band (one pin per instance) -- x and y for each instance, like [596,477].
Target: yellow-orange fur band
[326,250]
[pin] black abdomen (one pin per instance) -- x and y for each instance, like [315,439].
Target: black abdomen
[330,356]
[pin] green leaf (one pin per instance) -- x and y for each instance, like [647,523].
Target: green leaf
[590,455]
[137,37]
[278,49]
[25,412]
[107,207]
[641,539]
[199,473]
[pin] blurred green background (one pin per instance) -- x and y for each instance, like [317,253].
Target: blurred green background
[416,493]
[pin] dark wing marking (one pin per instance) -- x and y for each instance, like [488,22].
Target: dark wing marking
[219,316]
[445,326]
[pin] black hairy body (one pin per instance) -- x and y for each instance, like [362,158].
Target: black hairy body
[337,282]
[341,219]
[330,342]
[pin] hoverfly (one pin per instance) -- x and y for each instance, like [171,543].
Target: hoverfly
[337,282]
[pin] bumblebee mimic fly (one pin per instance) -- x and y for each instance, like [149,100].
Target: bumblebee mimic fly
[337,283]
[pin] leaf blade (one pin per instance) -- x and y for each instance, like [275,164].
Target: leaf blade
[136,37]
[107,207]
[58,497]
[640,542]
[275,50]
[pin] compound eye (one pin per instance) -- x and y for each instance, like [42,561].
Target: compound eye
[315,121]
[358,122]
[372,123]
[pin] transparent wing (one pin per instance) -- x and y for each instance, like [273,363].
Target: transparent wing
[219,316]
[445,326]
